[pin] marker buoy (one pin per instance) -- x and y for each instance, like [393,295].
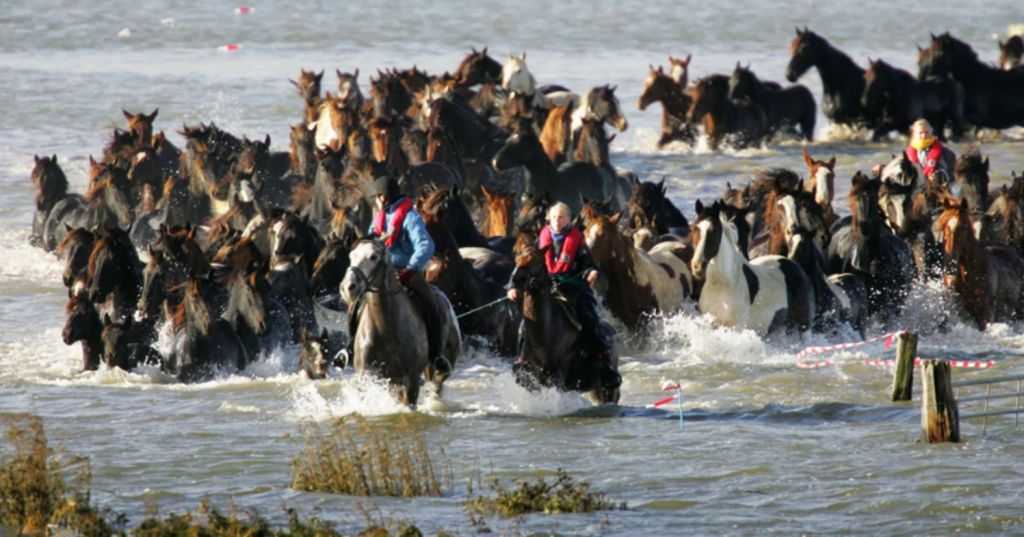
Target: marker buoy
[244,10]
[229,48]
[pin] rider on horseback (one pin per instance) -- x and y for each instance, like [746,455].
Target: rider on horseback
[410,247]
[936,161]
[573,271]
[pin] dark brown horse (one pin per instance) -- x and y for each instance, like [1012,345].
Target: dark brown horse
[988,279]
[51,188]
[203,343]
[553,353]
[386,135]
[76,248]
[784,109]
[675,104]
[114,269]
[141,126]
[1006,215]
[83,324]
[477,68]
[742,121]
[901,99]
[1011,53]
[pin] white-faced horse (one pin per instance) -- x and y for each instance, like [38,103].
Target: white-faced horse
[391,338]
[763,295]
[516,78]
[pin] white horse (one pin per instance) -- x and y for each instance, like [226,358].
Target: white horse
[391,338]
[516,78]
[763,295]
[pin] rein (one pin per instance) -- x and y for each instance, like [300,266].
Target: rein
[367,282]
[504,298]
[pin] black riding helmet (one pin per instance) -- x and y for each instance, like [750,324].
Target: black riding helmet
[386,186]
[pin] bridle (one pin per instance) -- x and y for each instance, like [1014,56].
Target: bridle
[374,282]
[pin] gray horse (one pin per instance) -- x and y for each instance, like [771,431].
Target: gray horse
[391,338]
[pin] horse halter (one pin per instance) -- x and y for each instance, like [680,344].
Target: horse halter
[366,283]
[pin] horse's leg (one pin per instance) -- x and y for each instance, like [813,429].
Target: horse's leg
[412,392]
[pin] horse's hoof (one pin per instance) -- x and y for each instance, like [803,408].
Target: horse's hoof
[442,369]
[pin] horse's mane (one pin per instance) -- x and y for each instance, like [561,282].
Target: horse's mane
[766,181]
[72,235]
[970,164]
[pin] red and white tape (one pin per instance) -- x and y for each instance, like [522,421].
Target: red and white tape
[889,338]
[667,400]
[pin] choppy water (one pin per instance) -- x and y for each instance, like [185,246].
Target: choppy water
[766,448]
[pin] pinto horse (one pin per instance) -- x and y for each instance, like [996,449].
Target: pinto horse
[784,110]
[641,283]
[901,99]
[842,80]
[317,354]
[599,104]
[987,278]
[553,352]
[821,180]
[788,211]
[742,121]
[765,295]
[675,103]
[993,97]
[390,338]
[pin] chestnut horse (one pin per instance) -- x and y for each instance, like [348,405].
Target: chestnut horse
[821,180]
[675,104]
[987,278]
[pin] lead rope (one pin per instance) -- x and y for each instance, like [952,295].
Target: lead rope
[504,298]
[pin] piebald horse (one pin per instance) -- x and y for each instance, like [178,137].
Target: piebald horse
[640,283]
[391,338]
[763,295]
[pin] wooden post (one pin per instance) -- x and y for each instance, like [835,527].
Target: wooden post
[940,419]
[903,377]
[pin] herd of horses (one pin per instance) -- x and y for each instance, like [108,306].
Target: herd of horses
[201,259]
[953,89]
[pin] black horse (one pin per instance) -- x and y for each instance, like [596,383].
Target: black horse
[51,188]
[784,109]
[842,80]
[900,100]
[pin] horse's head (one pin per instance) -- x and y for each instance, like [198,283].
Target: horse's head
[821,178]
[604,105]
[532,216]
[531,272]
[385,135]
[742,83]
[705,97]
[896,202]
[369,265]
[308,86]
[1011,52]
[76,248]
[971,172]
[642,231]
[878,80]
[957,231]
[864,201]
[389,95]
[83,322]
[141,126]
[735,197]
[157,277]
[117,347]
[602,235]
[592,143]
[248,295]
[801,248]
[708,232]
[501,210]
[439,146]
[803,52]
[657,86]
[515,76]
[648,198]
[109,264]
[593,208]
[255,154]
[315,352]
[332,263]
[680,73]
[349,94]
[900,170]
[477,68]
[50,182]
[520,148]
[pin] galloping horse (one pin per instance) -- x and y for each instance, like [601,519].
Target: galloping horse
[641,283]
[784,110]
[553,353]
[842,80]
[391,339]
[675,103]
[743,121]
[901,99]
[987,278]
[767,294]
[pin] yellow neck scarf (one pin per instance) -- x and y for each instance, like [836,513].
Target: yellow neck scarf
[922,144]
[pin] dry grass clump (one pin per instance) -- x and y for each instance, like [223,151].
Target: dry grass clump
[35,490]
[565,495]
[359,457]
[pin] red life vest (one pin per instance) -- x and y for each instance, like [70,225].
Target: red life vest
[397,218]
[934,154]
[568,254]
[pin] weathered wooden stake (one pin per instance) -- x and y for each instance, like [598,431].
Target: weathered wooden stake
[940,418]
[903,377]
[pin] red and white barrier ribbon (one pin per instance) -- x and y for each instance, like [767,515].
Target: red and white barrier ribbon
[244,10]
[668,386]
[889,338]
[229,48]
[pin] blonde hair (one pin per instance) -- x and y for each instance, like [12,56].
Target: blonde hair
[921,124]
[559,208]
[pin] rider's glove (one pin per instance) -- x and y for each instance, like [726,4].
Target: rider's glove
[405,276]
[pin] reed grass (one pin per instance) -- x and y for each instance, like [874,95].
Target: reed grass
[360,457]
[41,486]
[565,495]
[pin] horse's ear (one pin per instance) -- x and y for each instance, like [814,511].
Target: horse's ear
[808,159]
[523,56]
[267,141]
[92,161]
[547,196]
[323,333]
[484,51]
[192,233]
[688,58]
[699,207]
[612,138]
[583,199]
[126,114]
[963,203]
[67,227]
[798,31]
[37,158]
[800,185]
[106,320]
[355,74]
[152,116]
[661,70]
[831,164]
[305,335]
[661,186]
[149,251]
[487,193]
[615,219]
[986,164]
[738,66]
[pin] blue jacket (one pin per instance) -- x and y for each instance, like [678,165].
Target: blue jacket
[414,246]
